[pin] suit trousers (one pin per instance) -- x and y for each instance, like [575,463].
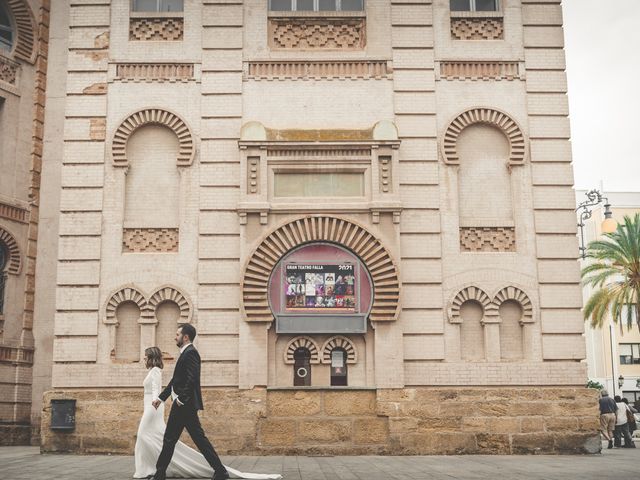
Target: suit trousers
[182,417]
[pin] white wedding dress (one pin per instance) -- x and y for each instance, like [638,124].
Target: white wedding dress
[186,462]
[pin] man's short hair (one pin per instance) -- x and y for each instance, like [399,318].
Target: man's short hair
[188,330]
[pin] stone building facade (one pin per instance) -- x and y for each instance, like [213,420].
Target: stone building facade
[23,68]
[364,207]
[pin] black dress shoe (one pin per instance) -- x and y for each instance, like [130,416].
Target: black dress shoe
[220,476]
[158,477]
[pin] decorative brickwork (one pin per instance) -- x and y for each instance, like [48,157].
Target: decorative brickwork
[124,294]
[11,212]
[358,70]
[16,355]
[331,33]
[26,29]
[517,295]
[487,239]
[301,342]
[253,175]
[146,240]
[488,116]
[156,29]
[356,238]
[154,72]
[98,128]
[339,342]
[8,71]
[9,242]
[452,70]
[477,28]
[469,294]
[172,294]
[386,185]
[153,116]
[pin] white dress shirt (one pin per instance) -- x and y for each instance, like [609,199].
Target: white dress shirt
[174,395]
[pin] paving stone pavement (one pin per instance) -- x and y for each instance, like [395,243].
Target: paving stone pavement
[26,463]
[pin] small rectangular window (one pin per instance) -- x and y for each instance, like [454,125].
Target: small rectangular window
[625,350]
[281,5]
[327,5]
[460,5]
[352,5]
[304,5]
[158,5]
[316,5]
[474,5]
[486,5]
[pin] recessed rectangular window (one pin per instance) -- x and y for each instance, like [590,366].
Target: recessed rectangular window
[319,184]
[474,5]
[158,5]
[629,353]
[316,5]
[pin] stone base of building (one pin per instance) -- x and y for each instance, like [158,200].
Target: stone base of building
[15,435]
[409,421]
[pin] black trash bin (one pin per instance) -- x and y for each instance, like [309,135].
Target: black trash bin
[63,414]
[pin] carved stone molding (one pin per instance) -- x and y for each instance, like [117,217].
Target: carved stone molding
[128,293]
[301,342]
[477,28]
[366,246]
[325,33]
[26,30]
[156,29]
[253,175]
[487,239]
[8,71]
[154,72]
[172,294]
[16,355]
[463,70]
[487,116]
[517,295]
[339,342]
[148,240]
[11,212]
[288,70]
[470,293]
[384,169]
[153,116]
[14,262]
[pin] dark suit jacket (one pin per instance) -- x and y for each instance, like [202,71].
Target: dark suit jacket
[186,380]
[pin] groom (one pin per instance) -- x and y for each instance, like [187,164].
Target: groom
[184,389]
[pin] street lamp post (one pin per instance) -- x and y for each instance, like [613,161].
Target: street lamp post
[594,197]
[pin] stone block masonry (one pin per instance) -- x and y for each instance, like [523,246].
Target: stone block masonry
[405,421]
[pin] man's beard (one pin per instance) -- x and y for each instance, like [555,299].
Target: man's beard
[179,343]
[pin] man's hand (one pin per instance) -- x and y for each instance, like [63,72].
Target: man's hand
[156,404]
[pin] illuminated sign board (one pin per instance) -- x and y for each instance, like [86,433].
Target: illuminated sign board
[321,288]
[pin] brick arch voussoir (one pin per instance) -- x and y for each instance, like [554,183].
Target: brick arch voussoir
[14,262]
[340,231]
[153,116]
[470,293]
[169,293]
[487,116]
[301,342]
[26,30]
[127,293]
[519,296]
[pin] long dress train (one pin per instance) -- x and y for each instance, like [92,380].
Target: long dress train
[186,462]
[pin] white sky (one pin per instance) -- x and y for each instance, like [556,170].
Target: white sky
[602,40]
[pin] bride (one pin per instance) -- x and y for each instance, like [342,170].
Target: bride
[186,462]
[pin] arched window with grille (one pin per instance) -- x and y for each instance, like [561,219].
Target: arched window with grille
[338,367]
[302,367]
[7,30]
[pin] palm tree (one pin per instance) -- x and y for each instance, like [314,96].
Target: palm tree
[615,275]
